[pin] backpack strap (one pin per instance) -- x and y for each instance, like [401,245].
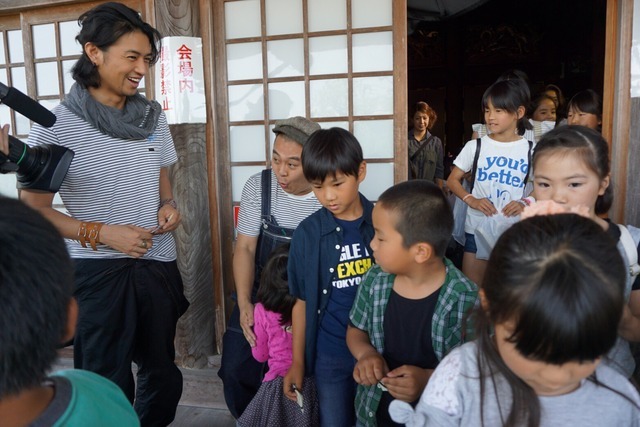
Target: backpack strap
[630,249]
[526,177]
[422,147]
[474,167]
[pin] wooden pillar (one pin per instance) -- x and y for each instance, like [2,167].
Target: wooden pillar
[616,102]
[400,92]
[190,181]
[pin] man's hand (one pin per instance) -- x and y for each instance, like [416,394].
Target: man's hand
[246,321]
[168,219]
[128,239]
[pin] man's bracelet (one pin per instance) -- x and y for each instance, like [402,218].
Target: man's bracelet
[464,199]
[91,231]
[169,202]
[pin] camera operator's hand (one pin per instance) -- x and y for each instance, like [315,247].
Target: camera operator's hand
[129,239]
[4,140]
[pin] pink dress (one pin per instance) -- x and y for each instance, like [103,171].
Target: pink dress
[270,407]
[273,342]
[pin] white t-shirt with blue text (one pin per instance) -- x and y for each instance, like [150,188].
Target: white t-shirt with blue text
[501,174]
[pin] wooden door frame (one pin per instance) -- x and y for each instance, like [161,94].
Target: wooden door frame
[616,102]
[212,24]
[220,206]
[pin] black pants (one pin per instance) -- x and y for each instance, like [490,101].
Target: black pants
[128,312]
[241,374]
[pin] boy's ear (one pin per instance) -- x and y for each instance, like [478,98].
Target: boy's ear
[424,252]
[362,171]
[72,319]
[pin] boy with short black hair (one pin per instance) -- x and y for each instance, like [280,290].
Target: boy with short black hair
[329,254]
[37,314]
[409,310]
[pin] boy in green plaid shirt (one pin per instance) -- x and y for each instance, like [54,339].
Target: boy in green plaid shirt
[409,309]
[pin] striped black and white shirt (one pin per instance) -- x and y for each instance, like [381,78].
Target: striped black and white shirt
[111,180]
[289,210]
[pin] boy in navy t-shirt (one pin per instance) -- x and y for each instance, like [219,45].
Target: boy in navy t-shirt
[329,254]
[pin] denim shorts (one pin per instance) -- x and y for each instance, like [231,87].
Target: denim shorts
[470,243]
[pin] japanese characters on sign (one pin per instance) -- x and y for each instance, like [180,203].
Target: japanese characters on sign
[180,80]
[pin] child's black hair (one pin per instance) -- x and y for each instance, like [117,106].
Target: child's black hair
[555,89]
[422,212]
[509,95]
[273,292]
[535,103]
[519,77]
[330,151]
[36,284]
[103,26]
[559,279]
[587,101]
[590,145]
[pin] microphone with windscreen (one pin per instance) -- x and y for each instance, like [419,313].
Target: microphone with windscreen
[13,98]
[42,167]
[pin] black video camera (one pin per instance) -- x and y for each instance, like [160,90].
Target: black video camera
[38,168]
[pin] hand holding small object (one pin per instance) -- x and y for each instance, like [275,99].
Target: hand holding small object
[159,227]
[299,400]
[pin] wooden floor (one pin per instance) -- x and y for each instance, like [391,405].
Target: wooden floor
[193,416]
[202,402]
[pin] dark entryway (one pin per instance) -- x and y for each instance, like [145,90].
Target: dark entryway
[452,61]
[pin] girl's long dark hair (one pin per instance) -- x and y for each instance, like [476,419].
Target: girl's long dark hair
[560,279]
[273,292]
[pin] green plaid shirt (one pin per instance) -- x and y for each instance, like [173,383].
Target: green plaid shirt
[457,296]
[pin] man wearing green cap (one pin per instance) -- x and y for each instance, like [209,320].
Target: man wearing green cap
[273,203]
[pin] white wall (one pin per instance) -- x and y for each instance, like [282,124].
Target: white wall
[635,51]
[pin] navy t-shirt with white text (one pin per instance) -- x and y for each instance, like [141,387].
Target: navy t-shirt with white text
[355,260]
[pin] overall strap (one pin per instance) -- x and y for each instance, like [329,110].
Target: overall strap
[265,210]
[474,167]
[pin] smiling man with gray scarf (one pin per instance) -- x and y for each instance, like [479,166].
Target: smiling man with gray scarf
[121,210]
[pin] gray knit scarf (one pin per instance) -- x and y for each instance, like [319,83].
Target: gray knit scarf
[137,120]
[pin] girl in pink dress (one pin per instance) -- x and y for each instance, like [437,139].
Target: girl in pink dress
[272,327]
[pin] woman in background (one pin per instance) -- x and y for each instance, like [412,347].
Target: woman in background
[426,153]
